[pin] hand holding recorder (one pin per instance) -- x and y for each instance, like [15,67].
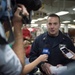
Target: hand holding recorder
[68,53]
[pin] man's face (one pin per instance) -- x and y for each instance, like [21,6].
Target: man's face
[53,26]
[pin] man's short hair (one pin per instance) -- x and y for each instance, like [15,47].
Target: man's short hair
[54,15]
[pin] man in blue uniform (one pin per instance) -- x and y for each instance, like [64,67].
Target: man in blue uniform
[50,41]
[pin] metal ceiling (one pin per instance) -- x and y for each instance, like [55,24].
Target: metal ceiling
[53,6]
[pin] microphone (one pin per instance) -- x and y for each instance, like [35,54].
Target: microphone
[46,50]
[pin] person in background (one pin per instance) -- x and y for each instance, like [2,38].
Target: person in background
[48,43]
[39,31]
[26,33]
[27,47]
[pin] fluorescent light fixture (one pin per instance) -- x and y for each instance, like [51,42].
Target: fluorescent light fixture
[34,25]
[73,20]
[40,19]
[33,21]
[66,22]
[74,9]
[62,25]
[62,13]
[44,25]
[71,26]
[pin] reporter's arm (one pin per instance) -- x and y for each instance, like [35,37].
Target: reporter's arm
[29,67]
[18,44]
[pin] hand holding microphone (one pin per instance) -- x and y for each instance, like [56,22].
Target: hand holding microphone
[44,54]
[43,57]
[45,51]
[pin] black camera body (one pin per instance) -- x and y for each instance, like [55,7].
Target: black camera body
[30,5]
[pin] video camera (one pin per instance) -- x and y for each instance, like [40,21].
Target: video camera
[6,14]
[30,5]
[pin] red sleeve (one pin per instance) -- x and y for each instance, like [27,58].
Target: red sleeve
[26,33]
[27,50]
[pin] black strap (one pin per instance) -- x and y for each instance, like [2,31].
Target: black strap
[2,40]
